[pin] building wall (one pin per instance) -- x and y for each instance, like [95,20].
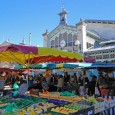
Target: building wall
[104,30]
[103,56]
[89,42]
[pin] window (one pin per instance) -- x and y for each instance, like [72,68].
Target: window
[105,56]
[88,45]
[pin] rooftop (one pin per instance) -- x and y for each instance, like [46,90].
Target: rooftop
[100,21]
[103,47]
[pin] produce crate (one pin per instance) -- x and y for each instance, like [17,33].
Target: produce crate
[57,102]
[77,98]
[9,113]
[34,91]
[66,98]
[4,102]
[51,113]
[85,103]
[79,112]
[43,95]
[36,99]
[54,95]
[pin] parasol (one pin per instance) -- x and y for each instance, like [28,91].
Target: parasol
[53,55]
[25,55]
[17,53]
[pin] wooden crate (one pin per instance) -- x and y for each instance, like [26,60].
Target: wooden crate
[54,96]
[43,95]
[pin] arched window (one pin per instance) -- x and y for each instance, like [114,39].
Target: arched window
[70,42]
[60,38]
[56,42]
[74,39]
[52,43]
[65,36]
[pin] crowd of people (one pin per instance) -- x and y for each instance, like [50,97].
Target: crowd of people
[80,84]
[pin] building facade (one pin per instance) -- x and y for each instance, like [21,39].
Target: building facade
[70,38]
[81,37]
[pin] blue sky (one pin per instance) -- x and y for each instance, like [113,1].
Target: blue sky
[18,18]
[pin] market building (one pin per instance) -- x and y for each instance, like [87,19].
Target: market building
[71,38]
[81,37]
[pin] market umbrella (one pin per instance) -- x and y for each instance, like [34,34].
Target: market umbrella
[24,54]
[89,59]
[17,53]
[53,55]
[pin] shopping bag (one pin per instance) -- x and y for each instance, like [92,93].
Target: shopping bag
[96,91]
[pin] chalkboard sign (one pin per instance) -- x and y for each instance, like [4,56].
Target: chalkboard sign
[2,84]
[22,89]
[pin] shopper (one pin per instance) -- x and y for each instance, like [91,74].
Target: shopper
[60,83]
[12,77]
[92,84]
[75,77]
[81,82]
[66,78]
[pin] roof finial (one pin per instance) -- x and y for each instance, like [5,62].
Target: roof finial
[30,39]
[46,30]
[8,40]
[62,7]
[81,20]
[23,40]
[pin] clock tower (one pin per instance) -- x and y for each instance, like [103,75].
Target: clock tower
[63,19]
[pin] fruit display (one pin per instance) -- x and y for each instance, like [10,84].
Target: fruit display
[57,102]
[9,113]
[44,105]
[30,111]
[63,110]
[85,103]
[69,108]
[36,99]
[67,103]
[91,100]
[76,106]
[2,105]
[66,93]
[36,109]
